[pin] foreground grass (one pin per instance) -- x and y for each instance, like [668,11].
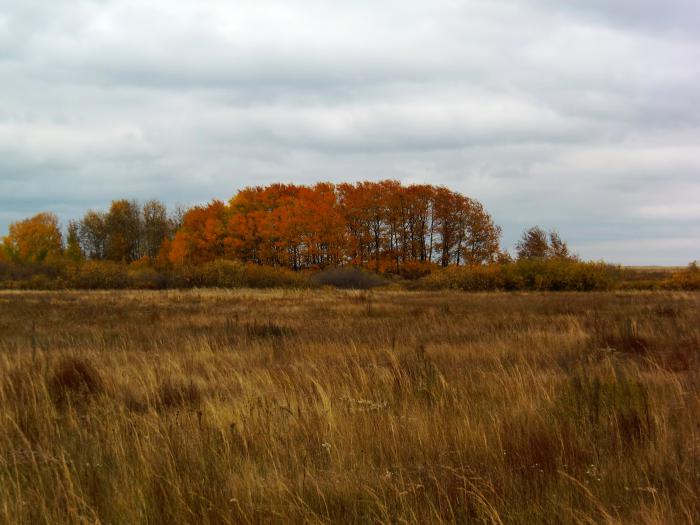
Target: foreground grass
[328,406]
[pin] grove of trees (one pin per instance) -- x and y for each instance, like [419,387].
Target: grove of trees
[379,225]
[428,235]
[267,234]
[127,232]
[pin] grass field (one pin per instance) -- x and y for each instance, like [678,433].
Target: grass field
[355,407]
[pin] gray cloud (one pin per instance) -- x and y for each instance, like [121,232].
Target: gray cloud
[583,116]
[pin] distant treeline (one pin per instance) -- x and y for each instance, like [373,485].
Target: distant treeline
[293,235]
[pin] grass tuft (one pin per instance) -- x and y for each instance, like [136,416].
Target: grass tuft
[75,379]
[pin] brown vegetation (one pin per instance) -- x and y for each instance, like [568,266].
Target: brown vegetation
[326,406]
[359,235]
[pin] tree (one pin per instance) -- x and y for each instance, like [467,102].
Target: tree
[383,225]
[156,227]
[177,216]
[92,231]
[480,243]
[73,250]
[533,244]
[36,239]
[201,238]
[447,223]
[354,205]
[123,227]
[558,249]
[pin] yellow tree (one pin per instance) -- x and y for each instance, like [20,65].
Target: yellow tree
[35,239]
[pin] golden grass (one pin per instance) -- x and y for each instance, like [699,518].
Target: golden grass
[301,406]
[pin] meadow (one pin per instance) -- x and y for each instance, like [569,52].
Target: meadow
[331,406]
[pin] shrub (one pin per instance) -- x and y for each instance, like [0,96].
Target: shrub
[526,274]
[95,275]
[565,274]
[42,281]
[234,274]
[686,279]
[144,278]
[28,275]
[347,277]
[466,278]
[413,270]
[185,276]
[257,276]
[224,274]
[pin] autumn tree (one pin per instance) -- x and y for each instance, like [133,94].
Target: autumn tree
[92,230]
[382,225]
[156,226]
[355,205]
[419,222]
[73,250]
[326,225]
[176,216]
[202,236]
[36,239]
[479,241]
[123,225]
[535,243]
[558,248]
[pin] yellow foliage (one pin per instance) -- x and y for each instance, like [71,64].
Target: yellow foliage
[35,239]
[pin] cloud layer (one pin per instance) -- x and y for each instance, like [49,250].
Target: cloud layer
[584,117]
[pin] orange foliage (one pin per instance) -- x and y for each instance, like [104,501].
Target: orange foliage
[35,239]
[201,237]
[383,225]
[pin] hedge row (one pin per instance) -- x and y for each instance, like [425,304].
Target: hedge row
[551,274]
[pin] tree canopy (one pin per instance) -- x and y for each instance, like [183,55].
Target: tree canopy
[380,225]
[34,240]
[535,243]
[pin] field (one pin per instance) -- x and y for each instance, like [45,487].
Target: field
[323,406]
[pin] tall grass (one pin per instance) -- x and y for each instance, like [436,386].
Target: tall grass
[321,406]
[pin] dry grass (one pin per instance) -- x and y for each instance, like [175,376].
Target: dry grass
[358,407]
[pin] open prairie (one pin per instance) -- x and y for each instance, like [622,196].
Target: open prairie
[323,406]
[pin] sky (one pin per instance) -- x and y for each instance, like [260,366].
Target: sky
[583,116]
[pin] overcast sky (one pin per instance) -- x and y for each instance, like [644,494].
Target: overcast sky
[583,117]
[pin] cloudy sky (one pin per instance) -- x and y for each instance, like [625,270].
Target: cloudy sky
[581,115]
